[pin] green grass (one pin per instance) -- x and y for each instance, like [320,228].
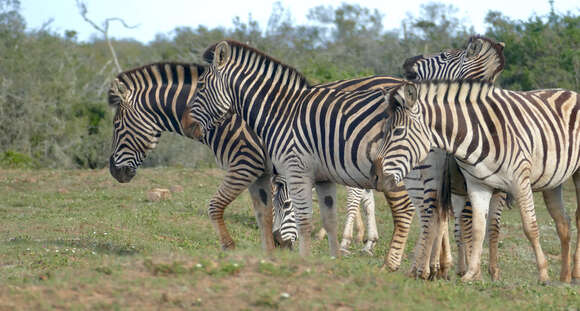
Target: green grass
[79,240]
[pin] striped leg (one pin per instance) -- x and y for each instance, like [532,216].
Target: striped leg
[403,211]
[360,226]
[353,200]
[480,196]
[525,201]
[327,201]
[368,203]
[458,202]
[300,190]
[576,270]
[555,203]
[497,205]
[226,193]
[261,193]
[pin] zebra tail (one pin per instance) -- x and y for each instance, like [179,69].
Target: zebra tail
[445,191]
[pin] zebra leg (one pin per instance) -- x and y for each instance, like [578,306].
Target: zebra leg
[327,202]
[403,211]
[261,193]
[368,202]
[498,202]
[458,202]
[555,203]
[480,196]
[441,260]
[300,190]
[353,199]
[446,258]
[525,201]
[360,226]
[576,270]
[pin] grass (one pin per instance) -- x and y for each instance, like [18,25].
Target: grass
[77,239]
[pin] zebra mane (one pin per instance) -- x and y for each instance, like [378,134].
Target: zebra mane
[114,96]
[209,53]
[428,83]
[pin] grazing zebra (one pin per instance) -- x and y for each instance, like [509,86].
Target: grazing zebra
[482,59]
[313,135]
[518,142]
[152,99]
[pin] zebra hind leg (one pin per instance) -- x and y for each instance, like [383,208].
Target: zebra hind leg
[480,196]
[353,199]
[368,202]
[458,202]
[555,203]
[261,193]
[327,201]
[576,270]
[498,203]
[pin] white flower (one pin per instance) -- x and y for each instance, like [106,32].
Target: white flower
[285,295]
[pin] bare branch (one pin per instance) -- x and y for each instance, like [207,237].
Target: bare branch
[104,29]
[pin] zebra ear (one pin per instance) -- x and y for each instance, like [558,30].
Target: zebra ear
[474,48]
[410,91]
[222,54]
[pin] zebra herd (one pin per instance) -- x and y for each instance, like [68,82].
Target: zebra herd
[278,136]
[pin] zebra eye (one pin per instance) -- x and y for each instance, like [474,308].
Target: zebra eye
[398,131]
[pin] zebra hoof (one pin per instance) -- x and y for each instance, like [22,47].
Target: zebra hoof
[367,251]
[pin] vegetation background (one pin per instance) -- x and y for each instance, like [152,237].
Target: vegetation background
[53,109]
[76,239]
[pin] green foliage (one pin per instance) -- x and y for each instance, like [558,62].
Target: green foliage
[11,159]
[53,108]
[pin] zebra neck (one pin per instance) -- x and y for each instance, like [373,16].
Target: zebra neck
[454,115]
[270,100]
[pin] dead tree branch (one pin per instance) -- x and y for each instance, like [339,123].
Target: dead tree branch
[104,29]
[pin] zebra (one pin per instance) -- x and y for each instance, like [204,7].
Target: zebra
[152,99]
[281,107]
[518,142]
[481,59]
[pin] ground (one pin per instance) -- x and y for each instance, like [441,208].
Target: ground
[77,239]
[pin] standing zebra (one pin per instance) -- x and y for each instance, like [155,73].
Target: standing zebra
[152,99]
[312,135]
[518,142]
[482,59]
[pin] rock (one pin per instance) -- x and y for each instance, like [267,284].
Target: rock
[158,194]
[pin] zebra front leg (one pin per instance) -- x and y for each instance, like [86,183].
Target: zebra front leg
[368,203]
[230,188]
[458,202]
[480,196]
[555,203]
[446,259]
[403,211]
[327,201]
[300,190]
[498,202]
[525,201]
[353,199]
[261,193]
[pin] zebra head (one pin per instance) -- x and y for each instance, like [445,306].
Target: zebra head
[284,222]
[482,59]
[407,142]
[133,133]
[213,101]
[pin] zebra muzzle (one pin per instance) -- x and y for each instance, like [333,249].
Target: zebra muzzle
[122,174]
